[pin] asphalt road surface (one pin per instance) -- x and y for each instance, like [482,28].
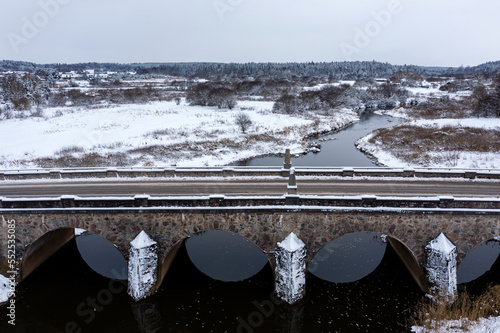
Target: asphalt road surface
[172,187]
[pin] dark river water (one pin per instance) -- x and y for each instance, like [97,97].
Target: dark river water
[221,282]
[338,149]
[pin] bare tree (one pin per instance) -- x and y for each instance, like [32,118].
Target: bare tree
[243,121]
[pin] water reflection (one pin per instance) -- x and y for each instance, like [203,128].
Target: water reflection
[102,256]
[383,301]
[349,258]
[225,256]
[194,302]
[65,295]
[480,267]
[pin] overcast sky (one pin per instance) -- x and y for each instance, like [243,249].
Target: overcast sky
[420,32]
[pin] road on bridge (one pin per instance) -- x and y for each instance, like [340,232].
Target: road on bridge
[256,186]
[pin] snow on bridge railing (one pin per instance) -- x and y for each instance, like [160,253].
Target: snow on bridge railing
[239,171]
[433,203]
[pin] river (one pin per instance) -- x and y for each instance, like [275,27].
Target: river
[337,149]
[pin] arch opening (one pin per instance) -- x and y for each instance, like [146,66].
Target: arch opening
[97,252]
[481,266]
[225,256]
[101,255]
[349,258]
[43,248]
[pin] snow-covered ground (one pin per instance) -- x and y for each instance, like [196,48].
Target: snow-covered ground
[4,289]
[160,134]
[484,325]
[442,159]
[486,123]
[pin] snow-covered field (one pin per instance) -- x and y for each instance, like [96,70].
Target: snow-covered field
[484,325]
[159,134]
[441,158]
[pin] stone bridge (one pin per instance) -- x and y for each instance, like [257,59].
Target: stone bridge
[410,225]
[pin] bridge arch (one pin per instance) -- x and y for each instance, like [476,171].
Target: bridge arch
[172,252]
[36,252]
[43,248]
[404,253]
[480,262]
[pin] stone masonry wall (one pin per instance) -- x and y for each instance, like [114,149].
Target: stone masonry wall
[264,227]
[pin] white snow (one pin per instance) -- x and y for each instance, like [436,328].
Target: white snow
[442,244]
[117,129]
[486,123]
[142,241]
[483,325]
[292,243]
[79,231]
[395,113]
[4,289]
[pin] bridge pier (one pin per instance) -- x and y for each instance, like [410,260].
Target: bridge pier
[441,268]
[142,267]
[290,254]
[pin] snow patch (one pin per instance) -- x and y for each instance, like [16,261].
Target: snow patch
[292,243]
[4,289]
[442,244]
[79,231]
[142,241]
[485,123]
[483,325]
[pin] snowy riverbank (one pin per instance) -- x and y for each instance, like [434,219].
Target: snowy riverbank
[428,149]
[157,134]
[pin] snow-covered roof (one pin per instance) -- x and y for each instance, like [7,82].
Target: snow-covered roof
[442,244]
[292,243]
[142,241]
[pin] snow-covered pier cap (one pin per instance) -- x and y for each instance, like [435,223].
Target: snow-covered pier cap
[142,266]
[442,267]
[290,257]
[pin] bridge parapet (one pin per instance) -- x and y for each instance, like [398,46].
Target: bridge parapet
[146,201]
[227,172]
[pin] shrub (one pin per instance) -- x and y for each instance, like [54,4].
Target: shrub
[243,121]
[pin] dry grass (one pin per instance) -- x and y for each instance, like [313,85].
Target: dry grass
[467,309]
[443,107]
[419,145]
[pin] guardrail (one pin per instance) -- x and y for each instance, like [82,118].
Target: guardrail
[185,172]
[146,201]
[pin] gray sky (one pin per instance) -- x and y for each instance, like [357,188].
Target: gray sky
[421,32]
